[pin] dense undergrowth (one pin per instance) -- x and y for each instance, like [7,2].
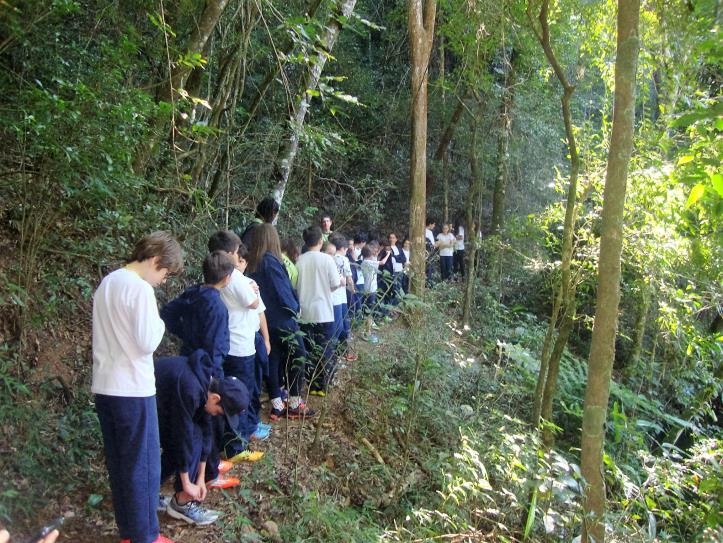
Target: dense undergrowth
[425,437]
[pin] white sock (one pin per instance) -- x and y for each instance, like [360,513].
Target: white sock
[277,403]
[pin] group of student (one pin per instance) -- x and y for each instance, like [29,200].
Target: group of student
[266,314]
[448,244]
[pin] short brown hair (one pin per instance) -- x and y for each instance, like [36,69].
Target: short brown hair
[216,267]
[224,240]
[164,246]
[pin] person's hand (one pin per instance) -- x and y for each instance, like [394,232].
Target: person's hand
[255,287]
[201,484]
[193,491]
[50,538]
[267,343]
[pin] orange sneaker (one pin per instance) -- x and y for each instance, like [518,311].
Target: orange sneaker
[224,466]
[163,539]
[223,482]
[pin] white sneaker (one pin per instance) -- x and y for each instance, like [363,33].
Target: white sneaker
[192,512]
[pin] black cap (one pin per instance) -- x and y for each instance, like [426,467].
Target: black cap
[234,398]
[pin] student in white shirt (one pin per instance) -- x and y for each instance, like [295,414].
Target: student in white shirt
[126,331]
[445,242]
[318,277]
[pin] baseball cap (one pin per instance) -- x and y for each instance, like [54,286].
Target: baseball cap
[234,398]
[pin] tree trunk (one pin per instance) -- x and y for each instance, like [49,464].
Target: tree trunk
[286,158]
[503,145]
[421,34]
[472,241]
[177,76]
[638,335]
[565,287]
[602,348]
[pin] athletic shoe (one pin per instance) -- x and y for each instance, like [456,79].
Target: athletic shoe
[284,395]
[163,502]
[160,539]
[372,338]
[318,392]
[264,425]
[300,412]
[261,433]
[224,466]
[247,456]
[223,482]
[351,357]
[192,512]
[276,414]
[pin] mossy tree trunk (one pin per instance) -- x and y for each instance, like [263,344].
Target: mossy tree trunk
[602,348]
[472,241]
[287,156]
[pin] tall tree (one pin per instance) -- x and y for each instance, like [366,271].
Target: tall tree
[602,348]
[563,311]
[421,35]
[287,156]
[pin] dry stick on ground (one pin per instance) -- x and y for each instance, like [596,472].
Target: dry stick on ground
[373,450]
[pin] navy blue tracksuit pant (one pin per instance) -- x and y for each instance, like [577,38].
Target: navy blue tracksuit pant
[320,345]
[133,457]
[244,369]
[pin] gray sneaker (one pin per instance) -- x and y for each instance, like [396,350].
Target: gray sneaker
[192,512]
[163,502]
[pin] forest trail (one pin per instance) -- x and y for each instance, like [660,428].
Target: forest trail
[299,458]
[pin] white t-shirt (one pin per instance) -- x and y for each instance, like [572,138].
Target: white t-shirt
[338,296]
[408,263]
[243,322]
[429,235]
[359,275]
[447,246]
[396,266]
[459,245]
[126,331]
[370,269]
[318,276]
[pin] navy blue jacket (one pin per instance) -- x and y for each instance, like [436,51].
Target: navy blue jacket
[183,424]
[200,318]
[282,305]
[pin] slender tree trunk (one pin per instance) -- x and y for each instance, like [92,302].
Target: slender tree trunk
[565,287]
[421,34]
[602,348]
[285,161]
[503,145]
[638,334]
[472,241]
[196,44]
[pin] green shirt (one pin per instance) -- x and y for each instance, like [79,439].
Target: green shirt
[291,270]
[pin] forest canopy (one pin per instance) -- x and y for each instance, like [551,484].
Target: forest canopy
[122,118]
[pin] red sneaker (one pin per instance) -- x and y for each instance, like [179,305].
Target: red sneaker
[351,357]
[223,482]
[224,466]
[163,539]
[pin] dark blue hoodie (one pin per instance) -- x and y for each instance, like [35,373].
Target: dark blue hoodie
[200,318]
[183,425]
[276,291]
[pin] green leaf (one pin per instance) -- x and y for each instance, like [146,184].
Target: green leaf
[94,499]
[695,194]
[717,180]
[685,159]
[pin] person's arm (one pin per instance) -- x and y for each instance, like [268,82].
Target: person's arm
[386,257]
[192,489]
[401,258]
[332,274]
[281,283]
[187,399]
[148,328]
[216,340]
[264,329]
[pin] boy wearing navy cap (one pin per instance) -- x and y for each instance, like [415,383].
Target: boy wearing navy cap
[188,396]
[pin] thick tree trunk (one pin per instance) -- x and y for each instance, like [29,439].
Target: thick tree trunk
[421,34]
[565,290]
[287,156]
[602,348]
[503,145]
